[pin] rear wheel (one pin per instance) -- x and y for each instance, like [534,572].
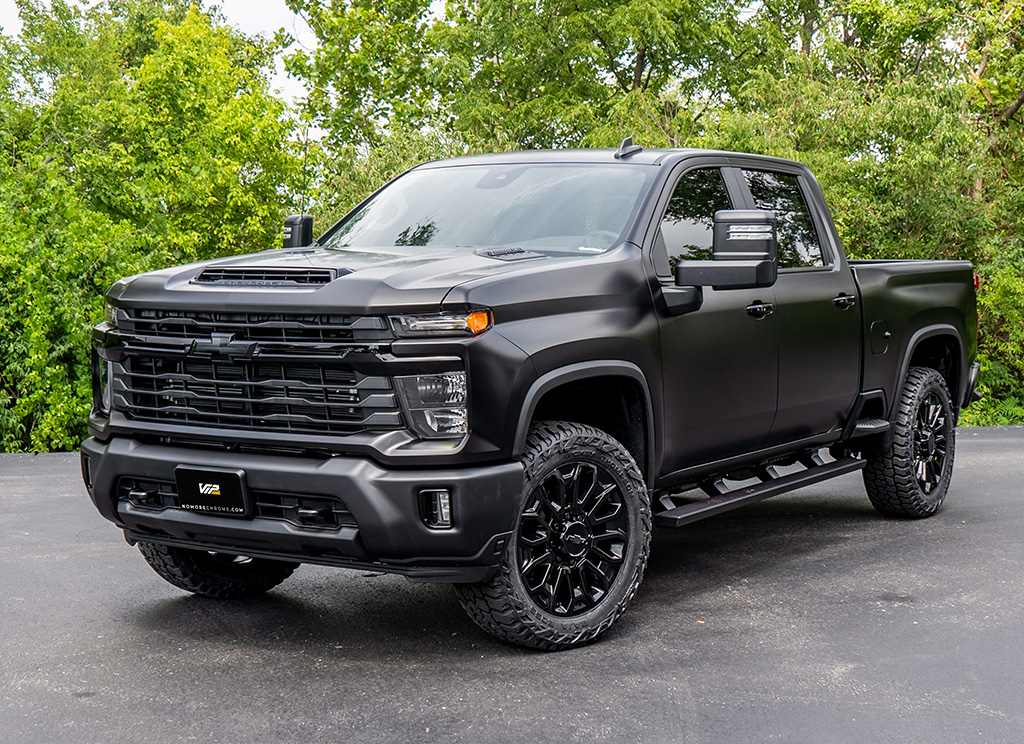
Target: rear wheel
[218,575]
[912,477]
[580,546]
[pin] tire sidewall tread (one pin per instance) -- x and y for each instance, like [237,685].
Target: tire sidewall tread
[196,571]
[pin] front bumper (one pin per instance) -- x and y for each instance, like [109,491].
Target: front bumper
[389,532]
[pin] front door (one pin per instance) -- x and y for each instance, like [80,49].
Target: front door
[720,363]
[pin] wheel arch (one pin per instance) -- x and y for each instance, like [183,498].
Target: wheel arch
[567,394]
[938,347]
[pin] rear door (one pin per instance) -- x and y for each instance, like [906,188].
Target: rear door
[720,363]
[816,306]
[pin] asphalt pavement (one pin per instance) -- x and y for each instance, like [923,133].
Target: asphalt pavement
[806,618]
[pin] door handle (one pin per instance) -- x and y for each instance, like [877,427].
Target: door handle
[844,301]
[760,310]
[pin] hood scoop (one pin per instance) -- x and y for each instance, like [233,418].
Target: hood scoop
[513,253]
[254,276]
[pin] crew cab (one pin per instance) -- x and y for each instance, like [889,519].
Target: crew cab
[502,371]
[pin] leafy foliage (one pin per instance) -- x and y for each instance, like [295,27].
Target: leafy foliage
[136,135]
[537,74]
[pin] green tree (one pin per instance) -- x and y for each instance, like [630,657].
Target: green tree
[136,135]
[537,74]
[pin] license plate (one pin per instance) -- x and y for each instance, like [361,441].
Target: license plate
[220,492]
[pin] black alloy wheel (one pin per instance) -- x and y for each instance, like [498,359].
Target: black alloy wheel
[930,442]
[572,539]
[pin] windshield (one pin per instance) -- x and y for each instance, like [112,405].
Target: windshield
[561,209]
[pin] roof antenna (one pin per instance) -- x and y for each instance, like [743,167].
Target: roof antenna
[305,152]
[626,149]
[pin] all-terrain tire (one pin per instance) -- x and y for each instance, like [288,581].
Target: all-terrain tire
[217,575]
[580,545]
[910,479]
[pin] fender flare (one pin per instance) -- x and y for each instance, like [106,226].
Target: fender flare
[581,371]
[941,329]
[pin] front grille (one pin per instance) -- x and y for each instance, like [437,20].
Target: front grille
[271,372]
[293,328]
[257,277]
[302,510]
[300,398]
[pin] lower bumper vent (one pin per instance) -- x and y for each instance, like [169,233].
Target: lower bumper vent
[302,510]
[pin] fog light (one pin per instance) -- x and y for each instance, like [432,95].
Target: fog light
[436,504]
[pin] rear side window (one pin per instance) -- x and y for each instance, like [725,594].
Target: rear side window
[780,193]
[688,225]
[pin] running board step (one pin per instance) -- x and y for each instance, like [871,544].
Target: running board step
[868,427]
[723,502]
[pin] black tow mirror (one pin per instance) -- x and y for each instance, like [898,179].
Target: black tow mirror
[746,247]
[298,230]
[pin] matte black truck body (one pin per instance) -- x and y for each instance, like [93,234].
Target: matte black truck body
[300,381]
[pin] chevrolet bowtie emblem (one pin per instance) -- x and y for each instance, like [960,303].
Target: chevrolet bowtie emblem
[223,345]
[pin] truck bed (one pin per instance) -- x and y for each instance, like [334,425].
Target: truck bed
[898,296]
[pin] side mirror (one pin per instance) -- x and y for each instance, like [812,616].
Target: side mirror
[746,246]
[298,230]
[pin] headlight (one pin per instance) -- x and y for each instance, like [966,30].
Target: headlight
[101,384]
[110,314]
[442,324]
[436,404]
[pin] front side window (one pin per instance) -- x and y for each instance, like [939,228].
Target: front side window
[780,193]
[689,222]
[563,209]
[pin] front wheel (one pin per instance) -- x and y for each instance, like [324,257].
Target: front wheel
[217,575]
[580,546]
[911,478]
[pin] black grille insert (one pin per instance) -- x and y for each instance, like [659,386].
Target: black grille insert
[291,328]
[283,397]
[302,510]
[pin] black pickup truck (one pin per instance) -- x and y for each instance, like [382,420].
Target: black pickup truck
[502,371]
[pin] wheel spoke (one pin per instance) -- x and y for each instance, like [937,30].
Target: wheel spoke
[601,497]
[612,553]
[921,419]
[533,562]
[599,574]
[571,485]
[583,493]
[570,591]
[554,501]
[586,591]
[613,513]
[552,606]
[593,489]
[540,539]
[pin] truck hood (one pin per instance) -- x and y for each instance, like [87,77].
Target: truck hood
[382,279]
